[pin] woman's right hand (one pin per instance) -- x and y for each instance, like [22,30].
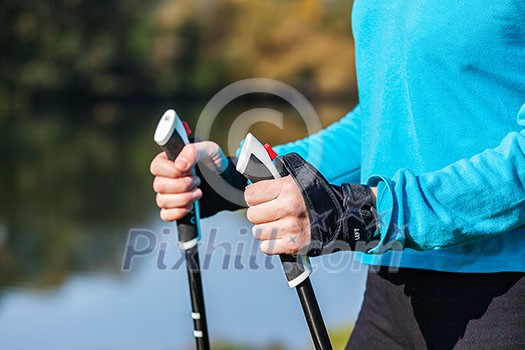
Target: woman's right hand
[176,185]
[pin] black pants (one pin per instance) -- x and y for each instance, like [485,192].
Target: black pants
[421,309]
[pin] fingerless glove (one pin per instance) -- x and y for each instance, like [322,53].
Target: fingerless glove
[344,213]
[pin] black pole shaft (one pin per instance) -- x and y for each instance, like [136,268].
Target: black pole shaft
[313,316]
[198,312]
[294,267]
[188,229]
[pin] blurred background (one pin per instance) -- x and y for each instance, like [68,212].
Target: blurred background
[82,86]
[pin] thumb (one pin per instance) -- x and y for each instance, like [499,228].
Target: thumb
[206,152]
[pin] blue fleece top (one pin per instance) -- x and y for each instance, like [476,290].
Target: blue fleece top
[439,129]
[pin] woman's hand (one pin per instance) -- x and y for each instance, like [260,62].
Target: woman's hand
[278,212]
[176,185]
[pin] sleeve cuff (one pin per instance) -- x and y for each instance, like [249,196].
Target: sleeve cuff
[391,236]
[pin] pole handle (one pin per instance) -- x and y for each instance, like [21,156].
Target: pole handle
[256,165]
[171,136]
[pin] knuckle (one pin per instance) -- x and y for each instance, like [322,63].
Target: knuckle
[288,225]
[248,195]
[278,214]
[187,199]
[154,168]
[190,152]
[292,246]
[173,214]
[158,185]
[296,206]
[274,231]
[196,194]
[286,183]
[164,215]
[181,212]
[250,214]
[187,183]
[160,200]
[183,200]
[265,248]
[293,188]
[256,231]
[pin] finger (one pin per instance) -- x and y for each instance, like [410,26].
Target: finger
[266,212]
[162,166]
[287,244]
[171,201]
[179,185]
[207,152]
[268,247]
[262,191]
[275,246]
[175,214]
[267,232]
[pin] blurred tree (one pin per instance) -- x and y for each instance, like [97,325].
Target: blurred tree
[65,142]
[73,48]
[307,43]
[132,49]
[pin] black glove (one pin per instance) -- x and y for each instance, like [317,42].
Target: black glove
[220,191]
[337,213]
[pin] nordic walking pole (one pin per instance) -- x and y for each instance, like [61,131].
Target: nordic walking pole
[171,135]
[255,163]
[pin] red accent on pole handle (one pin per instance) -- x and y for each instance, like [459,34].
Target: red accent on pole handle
[270,151]
[186,127]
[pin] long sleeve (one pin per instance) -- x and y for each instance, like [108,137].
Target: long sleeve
[335,150]
[465,201]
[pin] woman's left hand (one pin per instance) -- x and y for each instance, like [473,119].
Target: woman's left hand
[278,212]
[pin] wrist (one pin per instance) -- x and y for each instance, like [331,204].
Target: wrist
[337,213]
[374,194]
[358,217]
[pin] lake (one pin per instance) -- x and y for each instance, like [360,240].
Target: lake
[74,183]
